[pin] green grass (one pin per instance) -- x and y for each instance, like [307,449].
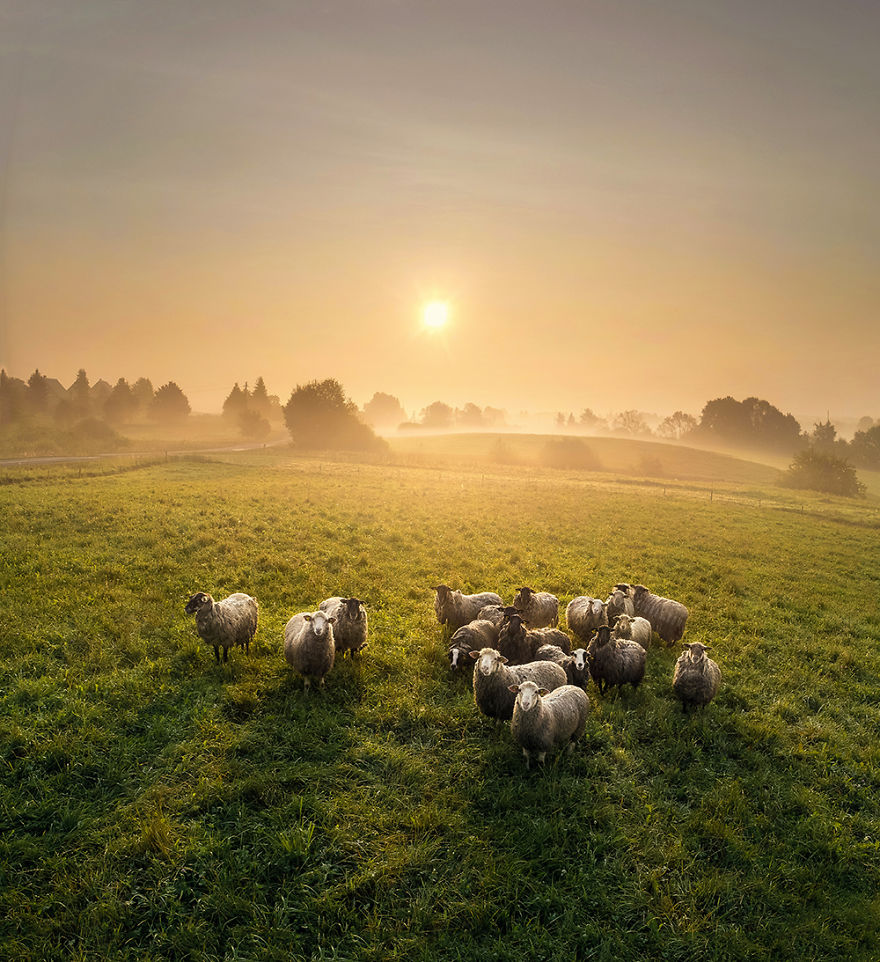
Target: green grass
[156,806]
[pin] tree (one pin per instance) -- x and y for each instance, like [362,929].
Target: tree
[676,426]
[437,415]
[816,471]
[752,421]
[592,421]
[865,447]
[121,404]
[143,394]
[631,422]
[38,392]
[13,393]
[319,415]
[80,394]
[259,400]
[169,404]
[470,416]
[384,411]
[236,403]
[253,425]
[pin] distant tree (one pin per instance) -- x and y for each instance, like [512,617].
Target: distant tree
[864,448]
[752,421]
[437,415]
[259,400]
[676,426]
[570,423]
[13,393]
[631,422]
[38,392]
[816,471]
[236,403]
[493,417]
[384,411]
[824,437]
[865,424]
[592,421]
[143,394]
[120,405]
[169,404]
[319,415]
[80,394]
[470,416]
[253,425]
[560,420]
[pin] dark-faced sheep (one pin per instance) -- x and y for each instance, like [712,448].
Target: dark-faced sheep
[350,627]
[470,637]
[575,665]
[667,617]
[584,615]
[519,643]
[224,624]
[619,602]
[539,609]
[309,646]
[493,678]
[543,721]
[615,662]
[696,678]
[455,609]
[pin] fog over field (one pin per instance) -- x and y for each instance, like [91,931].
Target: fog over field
[610,205]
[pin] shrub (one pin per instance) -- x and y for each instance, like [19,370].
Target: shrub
[569,453]
[823,472]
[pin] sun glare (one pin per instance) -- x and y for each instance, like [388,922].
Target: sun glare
[435,314]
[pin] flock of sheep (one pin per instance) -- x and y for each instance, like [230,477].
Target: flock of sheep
[524,668]
[526,671]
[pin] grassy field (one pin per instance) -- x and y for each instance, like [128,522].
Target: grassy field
[156,806]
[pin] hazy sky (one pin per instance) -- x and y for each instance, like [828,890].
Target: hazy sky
[627,204]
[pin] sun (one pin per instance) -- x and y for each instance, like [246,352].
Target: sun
[435,314]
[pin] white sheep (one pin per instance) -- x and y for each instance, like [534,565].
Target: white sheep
[309,646]
[223,624]
[455,609]
[350,627]
[634,628]
[539,609]
[543,721]
[493,678]
[575,665]
[584,615]
[696,678]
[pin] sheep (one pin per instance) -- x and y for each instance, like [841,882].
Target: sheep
[544,720]
[493,613]
[471,637]
[619,602]
[539,608]
[350,627]
[615,661]
[493,678]
[696,678]
[575,665]
[584,615]
[667,617]
[633,628]
[455,609]
[232,621]
[309,646]
[519,643]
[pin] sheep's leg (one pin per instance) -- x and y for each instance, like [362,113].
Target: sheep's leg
[216,654]
[225,654]
[527,757]
[541,757]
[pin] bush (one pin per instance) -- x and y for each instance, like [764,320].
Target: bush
[569,453]
[320,416]
[815,471]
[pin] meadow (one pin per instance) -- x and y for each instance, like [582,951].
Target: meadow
[155,805]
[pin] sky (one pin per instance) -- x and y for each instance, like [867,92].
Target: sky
[626,204]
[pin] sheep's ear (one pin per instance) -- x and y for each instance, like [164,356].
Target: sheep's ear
[543,691]
[502,659]
[332,619]
[474,654]
[513,688]
[307,617]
